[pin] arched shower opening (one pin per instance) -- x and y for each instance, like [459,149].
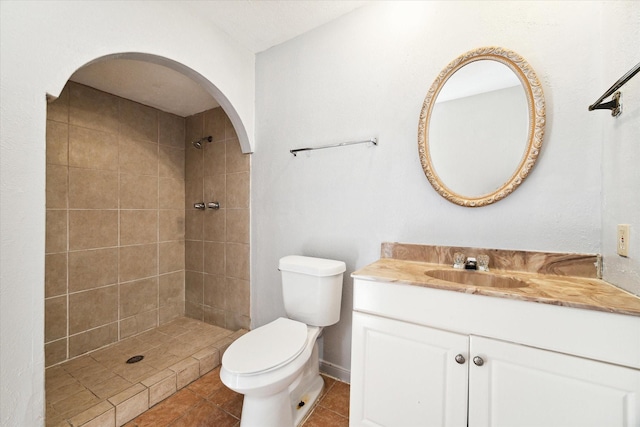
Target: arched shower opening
[132,268]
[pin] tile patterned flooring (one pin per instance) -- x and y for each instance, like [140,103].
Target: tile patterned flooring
[206,402]
[176,384]
[101,389]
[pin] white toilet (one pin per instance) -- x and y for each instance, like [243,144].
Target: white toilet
[276,365]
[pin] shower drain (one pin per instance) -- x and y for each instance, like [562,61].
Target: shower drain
[135,359]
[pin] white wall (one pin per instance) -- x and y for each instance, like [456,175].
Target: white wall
[365,75]
[621,146]
[43,43]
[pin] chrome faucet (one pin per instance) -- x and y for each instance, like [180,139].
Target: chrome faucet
[480,263]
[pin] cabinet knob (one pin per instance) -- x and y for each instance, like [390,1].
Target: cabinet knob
[460,359]
[478,361]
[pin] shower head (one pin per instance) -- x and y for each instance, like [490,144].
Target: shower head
[198,144]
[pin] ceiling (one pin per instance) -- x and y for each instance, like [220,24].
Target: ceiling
[255,24]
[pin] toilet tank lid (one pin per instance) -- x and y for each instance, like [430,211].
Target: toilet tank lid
[312,266]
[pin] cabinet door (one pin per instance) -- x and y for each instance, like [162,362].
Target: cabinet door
[406,375]
[525,386]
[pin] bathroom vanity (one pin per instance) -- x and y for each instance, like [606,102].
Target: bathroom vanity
[525,349]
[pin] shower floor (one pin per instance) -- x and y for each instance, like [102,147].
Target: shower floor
[101,389]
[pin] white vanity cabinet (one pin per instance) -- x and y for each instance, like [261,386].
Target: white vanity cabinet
[406,375]
[429,357]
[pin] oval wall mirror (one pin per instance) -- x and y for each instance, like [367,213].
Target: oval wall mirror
[481,126]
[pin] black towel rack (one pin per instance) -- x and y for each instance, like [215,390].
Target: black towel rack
[614,105]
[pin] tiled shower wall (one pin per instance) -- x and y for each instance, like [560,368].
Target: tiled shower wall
[115,220]
[217,241]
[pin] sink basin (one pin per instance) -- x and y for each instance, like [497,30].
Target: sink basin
[477,278]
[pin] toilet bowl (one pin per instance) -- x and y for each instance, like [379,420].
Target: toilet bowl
[274,388]
[276,366]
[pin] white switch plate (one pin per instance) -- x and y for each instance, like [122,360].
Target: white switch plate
[623,239]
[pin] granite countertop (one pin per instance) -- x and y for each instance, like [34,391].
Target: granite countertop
[563,290]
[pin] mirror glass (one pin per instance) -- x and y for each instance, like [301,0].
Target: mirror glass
[481,127]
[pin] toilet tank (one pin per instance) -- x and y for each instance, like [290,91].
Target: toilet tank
[312,289]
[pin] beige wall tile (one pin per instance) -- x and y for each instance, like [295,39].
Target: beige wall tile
[214,258]
[56,187]
[138,192]
[171,130]
[237,161]
[93,109]
[194,252]
[214,159]
[229,130]
[170,312]
[237,261]
[55,318]
[138,261]
[194,128]
[171,193]
[171,256]
[58,109]
[140,322]
[194,162]
[237,225]
[92,229]
[172,225]
[214,123]
[171,162]
[235,321]
[102,136]
[93,308]
[138,297]
[193,290]
[171,288]
[194,223]
[215,225]
[93,149]
[193,311]
[57,143]
[215,291]
[215,189]
[138,121]
[194,193]
[93,189]
[55,274]
[56,231]
[92,268]
[238,190]
[138,227]
[55,352]
[93,339]
[138,157]
[237,296]
[214,316]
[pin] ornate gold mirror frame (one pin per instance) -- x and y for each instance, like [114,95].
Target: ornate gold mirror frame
[536,114]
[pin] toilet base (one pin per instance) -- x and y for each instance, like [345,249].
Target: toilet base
[310,397]
[284,409]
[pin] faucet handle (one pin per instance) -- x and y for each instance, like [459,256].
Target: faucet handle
[458,260]
[483,262]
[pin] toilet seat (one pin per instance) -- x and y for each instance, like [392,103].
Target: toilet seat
[266,348]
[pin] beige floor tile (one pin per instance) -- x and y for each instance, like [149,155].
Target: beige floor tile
[110,387]
[107,376]
[100,415]
[76,403]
